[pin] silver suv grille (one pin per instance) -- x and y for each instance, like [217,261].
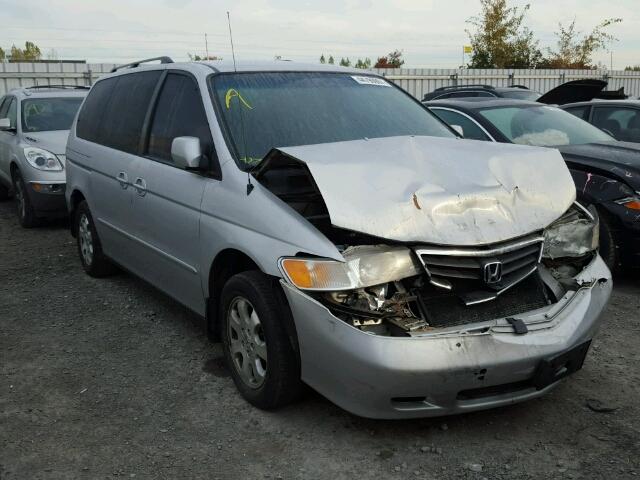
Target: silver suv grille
[480,274]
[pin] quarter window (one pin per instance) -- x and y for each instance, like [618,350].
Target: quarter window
[470,128]
[179,113]
[89,125]
[580,112]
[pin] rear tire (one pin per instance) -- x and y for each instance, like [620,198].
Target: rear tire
[93,260]
[257,349]
[26,213]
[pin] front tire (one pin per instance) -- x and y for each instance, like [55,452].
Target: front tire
[93,260]
[608,249]
[257,349]
[26,213]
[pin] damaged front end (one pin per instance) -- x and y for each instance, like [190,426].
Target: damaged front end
[413,290]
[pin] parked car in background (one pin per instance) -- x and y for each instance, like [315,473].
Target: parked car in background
[481,91]
[606,172]
[333,231]
[619,118]
[34,126]
[573,91]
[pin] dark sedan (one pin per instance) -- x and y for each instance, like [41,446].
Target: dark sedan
[606,172]
[621,118]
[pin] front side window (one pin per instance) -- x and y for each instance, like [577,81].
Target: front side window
[261,111]
[470,128]
[179,113]
[48,114]
[543,126]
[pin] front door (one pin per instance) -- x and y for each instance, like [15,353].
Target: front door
[168,199]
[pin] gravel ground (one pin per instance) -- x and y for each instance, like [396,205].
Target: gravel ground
[109,378]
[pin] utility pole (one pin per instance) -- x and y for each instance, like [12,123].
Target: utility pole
[206,45]
[611,60]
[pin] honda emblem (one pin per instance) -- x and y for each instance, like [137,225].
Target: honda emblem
[492,272]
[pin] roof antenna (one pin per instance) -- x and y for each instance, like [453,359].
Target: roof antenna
[244,141]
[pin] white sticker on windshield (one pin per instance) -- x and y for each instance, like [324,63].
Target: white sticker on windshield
[378,82]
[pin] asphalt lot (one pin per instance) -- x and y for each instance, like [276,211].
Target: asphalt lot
[110,378]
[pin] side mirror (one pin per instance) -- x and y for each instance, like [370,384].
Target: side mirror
[186,152]
[5,124]
[458,129]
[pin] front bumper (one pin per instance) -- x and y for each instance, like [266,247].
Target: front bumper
[407,377]
[47,197]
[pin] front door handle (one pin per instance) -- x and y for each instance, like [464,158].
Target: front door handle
[141,186]
[123,180]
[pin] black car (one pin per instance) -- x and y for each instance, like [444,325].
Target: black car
[606,172]
[569,92]
[519,92]
[620,118]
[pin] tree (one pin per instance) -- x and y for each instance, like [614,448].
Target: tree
[576,51]
[364,64]
[635,68]
[3,55]
[392,60]
[500,39]
[345,62]
[322,59]
[331,61]
[30,53]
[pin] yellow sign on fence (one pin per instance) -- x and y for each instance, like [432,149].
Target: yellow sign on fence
[468,49]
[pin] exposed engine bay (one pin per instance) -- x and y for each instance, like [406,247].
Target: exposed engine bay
[406,288]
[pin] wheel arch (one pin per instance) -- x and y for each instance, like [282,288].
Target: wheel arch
[229,262]
[74,200]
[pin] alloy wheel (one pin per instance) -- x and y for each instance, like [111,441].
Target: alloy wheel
[86,239]
[247,343]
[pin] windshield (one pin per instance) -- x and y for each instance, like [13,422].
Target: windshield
[46,114]
[269,110]
[521,94]
[543,126]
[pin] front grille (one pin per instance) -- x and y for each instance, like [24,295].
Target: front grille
[492,268]
[446,308]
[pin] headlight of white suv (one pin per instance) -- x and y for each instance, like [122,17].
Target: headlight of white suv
[42,159]
[365,266]
[574,234]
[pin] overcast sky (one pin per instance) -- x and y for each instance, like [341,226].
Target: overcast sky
[430,33]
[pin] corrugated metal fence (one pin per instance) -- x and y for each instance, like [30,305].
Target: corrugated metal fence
[14,75]
[418,82]
[415,81]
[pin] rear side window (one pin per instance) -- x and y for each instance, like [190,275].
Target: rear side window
[90,116]
[179,113]
[126,111]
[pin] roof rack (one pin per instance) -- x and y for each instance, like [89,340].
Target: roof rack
[163,59]
[70,87]
[523,87]
[458,87]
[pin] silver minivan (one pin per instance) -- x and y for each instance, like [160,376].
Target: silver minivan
[333,232]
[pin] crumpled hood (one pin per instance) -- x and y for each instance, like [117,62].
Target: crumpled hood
[437,190]
[55,142]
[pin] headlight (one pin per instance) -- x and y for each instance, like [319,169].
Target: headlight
[365,266]
[42,160]
[632,202]
[574,234]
